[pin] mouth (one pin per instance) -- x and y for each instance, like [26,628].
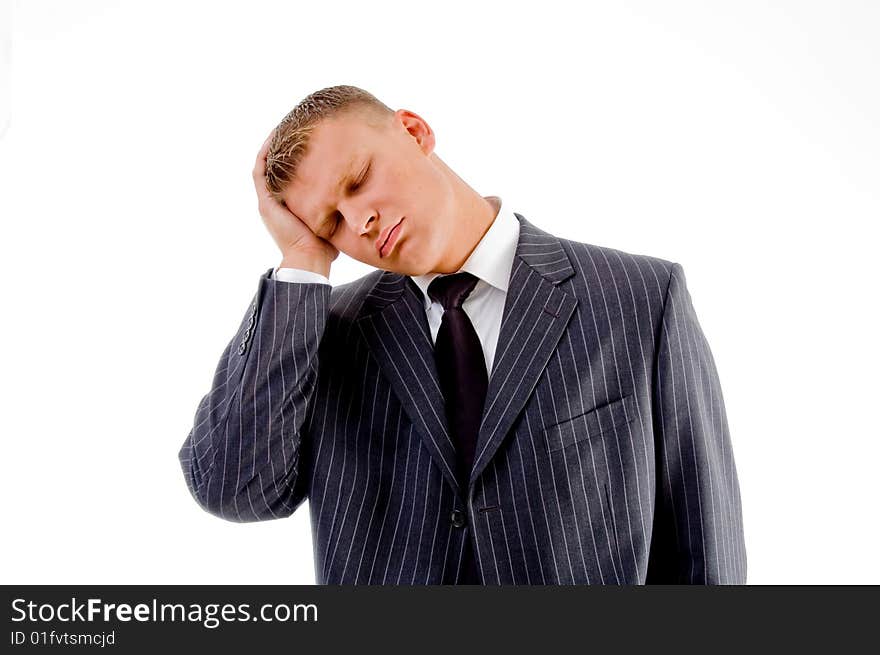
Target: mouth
[386,243]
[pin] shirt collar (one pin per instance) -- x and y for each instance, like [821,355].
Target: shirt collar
[492,259]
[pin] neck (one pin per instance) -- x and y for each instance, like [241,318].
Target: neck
[473,215]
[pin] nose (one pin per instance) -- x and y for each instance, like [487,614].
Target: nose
[368,224]
[362,220]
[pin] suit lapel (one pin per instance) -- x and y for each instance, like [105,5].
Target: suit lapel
[535,316]
[393,322]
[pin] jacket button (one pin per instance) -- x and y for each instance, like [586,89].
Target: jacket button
[458,518]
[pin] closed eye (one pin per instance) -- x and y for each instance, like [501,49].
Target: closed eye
[337,217]
[356,185]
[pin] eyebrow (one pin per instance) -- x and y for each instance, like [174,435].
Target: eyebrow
[344,182]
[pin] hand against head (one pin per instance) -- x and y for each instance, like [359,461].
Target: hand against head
[300,247]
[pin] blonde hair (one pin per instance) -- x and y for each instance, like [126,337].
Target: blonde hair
[290,139]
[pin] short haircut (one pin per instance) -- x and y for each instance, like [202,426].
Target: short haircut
[290,139]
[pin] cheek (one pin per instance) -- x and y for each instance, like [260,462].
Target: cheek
[410,186]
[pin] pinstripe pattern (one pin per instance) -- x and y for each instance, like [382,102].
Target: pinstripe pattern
[603,456]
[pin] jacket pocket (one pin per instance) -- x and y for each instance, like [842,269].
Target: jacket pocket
[591,423]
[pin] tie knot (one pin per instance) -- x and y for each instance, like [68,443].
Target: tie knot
[451,290]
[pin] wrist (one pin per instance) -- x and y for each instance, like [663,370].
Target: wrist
[313,264]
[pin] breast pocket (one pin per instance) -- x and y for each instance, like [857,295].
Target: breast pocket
[591,423]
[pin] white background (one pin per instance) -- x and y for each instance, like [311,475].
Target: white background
[740,139]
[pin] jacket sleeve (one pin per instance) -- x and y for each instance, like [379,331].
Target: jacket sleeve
[241,459]
[698,530]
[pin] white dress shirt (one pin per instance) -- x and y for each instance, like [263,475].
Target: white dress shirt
[491,262]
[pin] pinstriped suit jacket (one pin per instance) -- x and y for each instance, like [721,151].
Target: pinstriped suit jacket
[603,456]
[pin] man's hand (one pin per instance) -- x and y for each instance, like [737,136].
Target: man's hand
[300,247]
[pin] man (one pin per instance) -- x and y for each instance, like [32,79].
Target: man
[495,405]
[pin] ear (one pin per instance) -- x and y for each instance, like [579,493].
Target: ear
[418,128]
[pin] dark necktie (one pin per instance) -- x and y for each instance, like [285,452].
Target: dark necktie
[461,367]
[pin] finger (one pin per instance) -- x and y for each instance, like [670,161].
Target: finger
[260,164]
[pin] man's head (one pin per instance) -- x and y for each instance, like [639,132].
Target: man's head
[352,168]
